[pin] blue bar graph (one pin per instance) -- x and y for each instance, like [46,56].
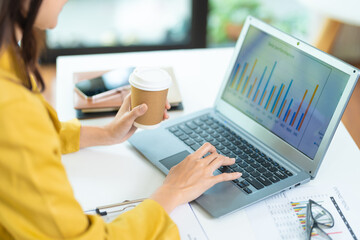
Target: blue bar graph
[272,70]
[267,102]
[282,103]
[302,115]
[257,89]
[292,118]
[287,110]
[276,99]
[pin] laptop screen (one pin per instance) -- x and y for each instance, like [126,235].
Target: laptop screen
[287,91]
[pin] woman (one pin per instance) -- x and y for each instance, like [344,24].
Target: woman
[36,199]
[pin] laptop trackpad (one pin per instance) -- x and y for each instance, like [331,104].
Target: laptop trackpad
[171,161]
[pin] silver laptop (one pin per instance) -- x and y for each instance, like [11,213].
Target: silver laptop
[276,112]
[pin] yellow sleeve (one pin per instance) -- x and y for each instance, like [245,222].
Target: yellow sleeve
[36,198]
[70,136]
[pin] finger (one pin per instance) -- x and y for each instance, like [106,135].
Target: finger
[226,177]
[221,161]
[125,106]
[166,116]
[212,157]
[136,112]
[204,149]
[167,105]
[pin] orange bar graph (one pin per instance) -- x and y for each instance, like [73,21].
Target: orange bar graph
[270,98]
[287,115]
[297,112]
[312,97]
[249,76]
[242,77]
[282,109]
[252,88]
[263,98]
[282,88]
[257,93]
[235,77]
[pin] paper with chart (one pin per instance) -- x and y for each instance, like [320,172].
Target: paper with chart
[283,216]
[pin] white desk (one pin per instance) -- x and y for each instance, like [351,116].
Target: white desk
[104,175]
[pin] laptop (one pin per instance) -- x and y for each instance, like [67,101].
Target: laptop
[276,112]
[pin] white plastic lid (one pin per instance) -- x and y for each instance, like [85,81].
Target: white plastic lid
[150,79]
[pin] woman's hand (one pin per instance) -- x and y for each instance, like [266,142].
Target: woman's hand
[122,127]
[119,129]
[193,176]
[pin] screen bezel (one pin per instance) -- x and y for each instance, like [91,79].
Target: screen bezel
[264,135]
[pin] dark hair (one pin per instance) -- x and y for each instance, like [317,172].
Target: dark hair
[12,16]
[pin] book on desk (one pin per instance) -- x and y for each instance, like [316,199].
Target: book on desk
[109,105]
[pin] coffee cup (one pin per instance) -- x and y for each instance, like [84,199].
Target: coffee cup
[149,86]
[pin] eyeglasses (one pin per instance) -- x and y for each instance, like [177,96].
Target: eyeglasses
[317,218]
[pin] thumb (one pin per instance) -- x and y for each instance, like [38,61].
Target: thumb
[138,111]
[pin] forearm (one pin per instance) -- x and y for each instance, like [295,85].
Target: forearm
[94,136]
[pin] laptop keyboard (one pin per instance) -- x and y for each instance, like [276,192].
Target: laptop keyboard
[258,170]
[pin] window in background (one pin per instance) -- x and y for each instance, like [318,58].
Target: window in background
[226,17]
[92,26]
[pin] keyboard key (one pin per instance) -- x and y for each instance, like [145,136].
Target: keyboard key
[249,169]
[274,179]
[255,174]
[209,138]
[264,181]
[173,129]
[178,133]
[225,134]
[231,155]
[198,122]
[248,151]
[193,135]
[199,130]
[189,142]
[231,138]
[268,174]
[247,190]
[204,117]
[220,130]
[204,127]
[280,174]
[261,169]
[266,164]
[275,164]
[231,147]
[204,135]
[225,151]
[249,160]
[281,168]
[220,147]
[214,126]
[191,125]
[255,183]
[272,169]
[210,131]
[243,164]
[255,165]
[242,184]
[195,146]
[215,135]
[183,137]
[288,173]
[244,175]
[185,129]
[245,183]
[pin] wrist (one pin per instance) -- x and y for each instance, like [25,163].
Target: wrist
[168,198]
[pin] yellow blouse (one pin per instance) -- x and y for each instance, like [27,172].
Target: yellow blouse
[36,199]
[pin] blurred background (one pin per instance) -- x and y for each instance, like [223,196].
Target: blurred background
[109,26]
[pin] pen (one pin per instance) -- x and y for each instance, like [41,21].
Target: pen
[103,210]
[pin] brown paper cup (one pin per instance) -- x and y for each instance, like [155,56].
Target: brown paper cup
[155,101]
[149,86]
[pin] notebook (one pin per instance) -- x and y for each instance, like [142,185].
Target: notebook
[276,112]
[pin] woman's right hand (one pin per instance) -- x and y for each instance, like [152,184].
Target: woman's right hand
[192,177]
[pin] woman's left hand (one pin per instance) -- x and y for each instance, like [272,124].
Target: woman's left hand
[122,127]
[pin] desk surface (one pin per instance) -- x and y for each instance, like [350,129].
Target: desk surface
[104,175]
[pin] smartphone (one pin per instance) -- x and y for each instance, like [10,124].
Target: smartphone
[107,84]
